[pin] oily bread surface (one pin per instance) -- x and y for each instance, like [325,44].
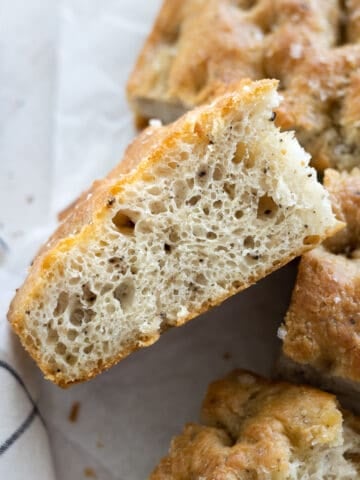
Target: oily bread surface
[80,230]
[322,325]
[311,46]
[257,429]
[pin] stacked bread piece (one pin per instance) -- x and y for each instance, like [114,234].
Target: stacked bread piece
[196,212]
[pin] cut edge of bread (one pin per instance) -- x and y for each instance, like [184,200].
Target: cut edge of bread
[347,391]
[187,168]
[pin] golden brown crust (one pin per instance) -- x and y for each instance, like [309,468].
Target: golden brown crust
[323,321]
[309,45]
[253,429]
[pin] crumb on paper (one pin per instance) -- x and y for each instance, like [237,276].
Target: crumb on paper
[74,412]
[29,199]
[155,122]
[227,356]
[89,473]
[99,444]
[281,333]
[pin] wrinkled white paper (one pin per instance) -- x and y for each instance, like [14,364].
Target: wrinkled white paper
[67,122]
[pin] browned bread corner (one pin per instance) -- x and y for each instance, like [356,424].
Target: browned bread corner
[321,334]
[196,211]
[311,46]
[255,429]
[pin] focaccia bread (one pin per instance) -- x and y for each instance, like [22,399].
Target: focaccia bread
[311,46]
[254,429]
[321,335]
[196,212]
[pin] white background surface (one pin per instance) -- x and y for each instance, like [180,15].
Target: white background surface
[63,122]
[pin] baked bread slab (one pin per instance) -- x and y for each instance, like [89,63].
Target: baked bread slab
[321,334]
[311,46]
[254,429]
[195,212]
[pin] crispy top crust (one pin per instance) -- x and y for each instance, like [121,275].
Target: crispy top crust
[309,45]
[253,429]
[323,321]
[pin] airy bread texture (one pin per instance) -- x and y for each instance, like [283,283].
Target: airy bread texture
[196,212]
[311,46]
[322,325]
[254,429]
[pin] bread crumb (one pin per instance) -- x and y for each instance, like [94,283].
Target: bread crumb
[100,444]
[89,473]
[281,333]
[29,199]
[296,50]
[154,122]
[74,412]
[227,356]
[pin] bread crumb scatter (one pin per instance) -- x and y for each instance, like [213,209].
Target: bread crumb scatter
[90,473]
[74,412]
[227,356]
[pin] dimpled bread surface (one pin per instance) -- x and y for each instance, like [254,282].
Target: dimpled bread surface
[254,429]
[311,46]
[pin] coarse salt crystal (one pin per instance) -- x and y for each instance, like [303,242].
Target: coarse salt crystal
[296,50]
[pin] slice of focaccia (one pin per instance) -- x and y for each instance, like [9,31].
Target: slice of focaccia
[196,212]
[255,429]
[311,46]
[321,333]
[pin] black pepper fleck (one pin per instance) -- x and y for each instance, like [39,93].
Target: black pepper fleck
[273,116]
